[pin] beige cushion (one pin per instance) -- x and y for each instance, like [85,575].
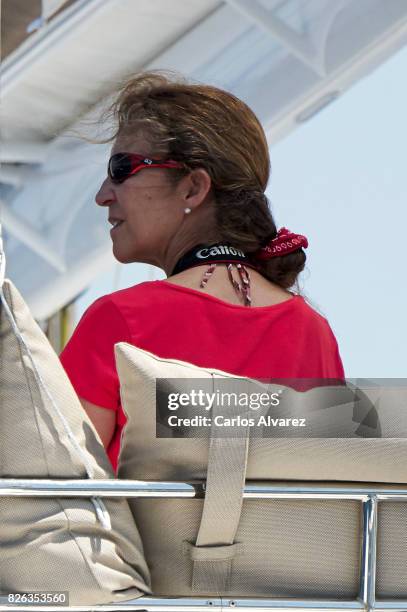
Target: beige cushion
[353,457]
[297,548]
[56,544]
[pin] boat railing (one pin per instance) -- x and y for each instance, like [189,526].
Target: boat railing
[369,498]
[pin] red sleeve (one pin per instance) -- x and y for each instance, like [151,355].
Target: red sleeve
[333,366]
[338,364]
[88,357]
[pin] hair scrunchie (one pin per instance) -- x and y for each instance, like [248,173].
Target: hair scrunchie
[285,242]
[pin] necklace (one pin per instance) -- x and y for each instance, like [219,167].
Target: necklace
[219,253]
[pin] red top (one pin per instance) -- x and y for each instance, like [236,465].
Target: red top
[286,340]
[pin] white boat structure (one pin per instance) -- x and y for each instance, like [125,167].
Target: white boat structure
[287,59]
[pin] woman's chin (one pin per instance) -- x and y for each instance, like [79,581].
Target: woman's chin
[124,257]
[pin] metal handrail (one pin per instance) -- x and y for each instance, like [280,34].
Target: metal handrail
[43,487]
[369,496]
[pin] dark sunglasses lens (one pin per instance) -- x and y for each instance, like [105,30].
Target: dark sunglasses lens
[119,167]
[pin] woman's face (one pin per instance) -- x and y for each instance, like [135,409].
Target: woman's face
[150,207]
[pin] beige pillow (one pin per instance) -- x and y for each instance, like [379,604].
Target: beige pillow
[91,549]
[289,548]
[331,410]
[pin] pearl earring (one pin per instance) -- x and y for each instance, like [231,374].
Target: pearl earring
[187,211]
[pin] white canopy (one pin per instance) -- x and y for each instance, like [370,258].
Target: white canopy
[286,58]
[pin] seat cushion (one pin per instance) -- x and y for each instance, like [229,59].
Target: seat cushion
[56,544]
[349,435]
[287,548]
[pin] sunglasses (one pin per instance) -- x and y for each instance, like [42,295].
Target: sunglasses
[123,165]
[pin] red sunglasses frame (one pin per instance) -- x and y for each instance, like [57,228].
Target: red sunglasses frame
[137,163]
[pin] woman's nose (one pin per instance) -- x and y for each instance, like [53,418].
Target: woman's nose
[105,195]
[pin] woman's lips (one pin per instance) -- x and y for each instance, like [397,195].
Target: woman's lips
[116,226]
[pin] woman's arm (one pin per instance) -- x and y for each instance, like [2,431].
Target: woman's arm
[103,420]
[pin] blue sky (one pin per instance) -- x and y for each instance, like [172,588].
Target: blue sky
[340,179]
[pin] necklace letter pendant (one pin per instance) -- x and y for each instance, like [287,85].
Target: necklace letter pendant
[244,288]
[207,275]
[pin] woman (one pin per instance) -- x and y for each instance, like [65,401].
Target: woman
[188,171]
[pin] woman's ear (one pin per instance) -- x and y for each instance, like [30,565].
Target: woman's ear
[196,188]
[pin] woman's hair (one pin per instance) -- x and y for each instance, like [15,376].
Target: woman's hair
[206,127]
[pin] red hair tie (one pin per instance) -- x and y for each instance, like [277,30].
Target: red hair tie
[285,242]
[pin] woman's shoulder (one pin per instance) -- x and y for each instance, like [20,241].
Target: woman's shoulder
[314,311]
[138,294]
[141,297]
[319,330]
